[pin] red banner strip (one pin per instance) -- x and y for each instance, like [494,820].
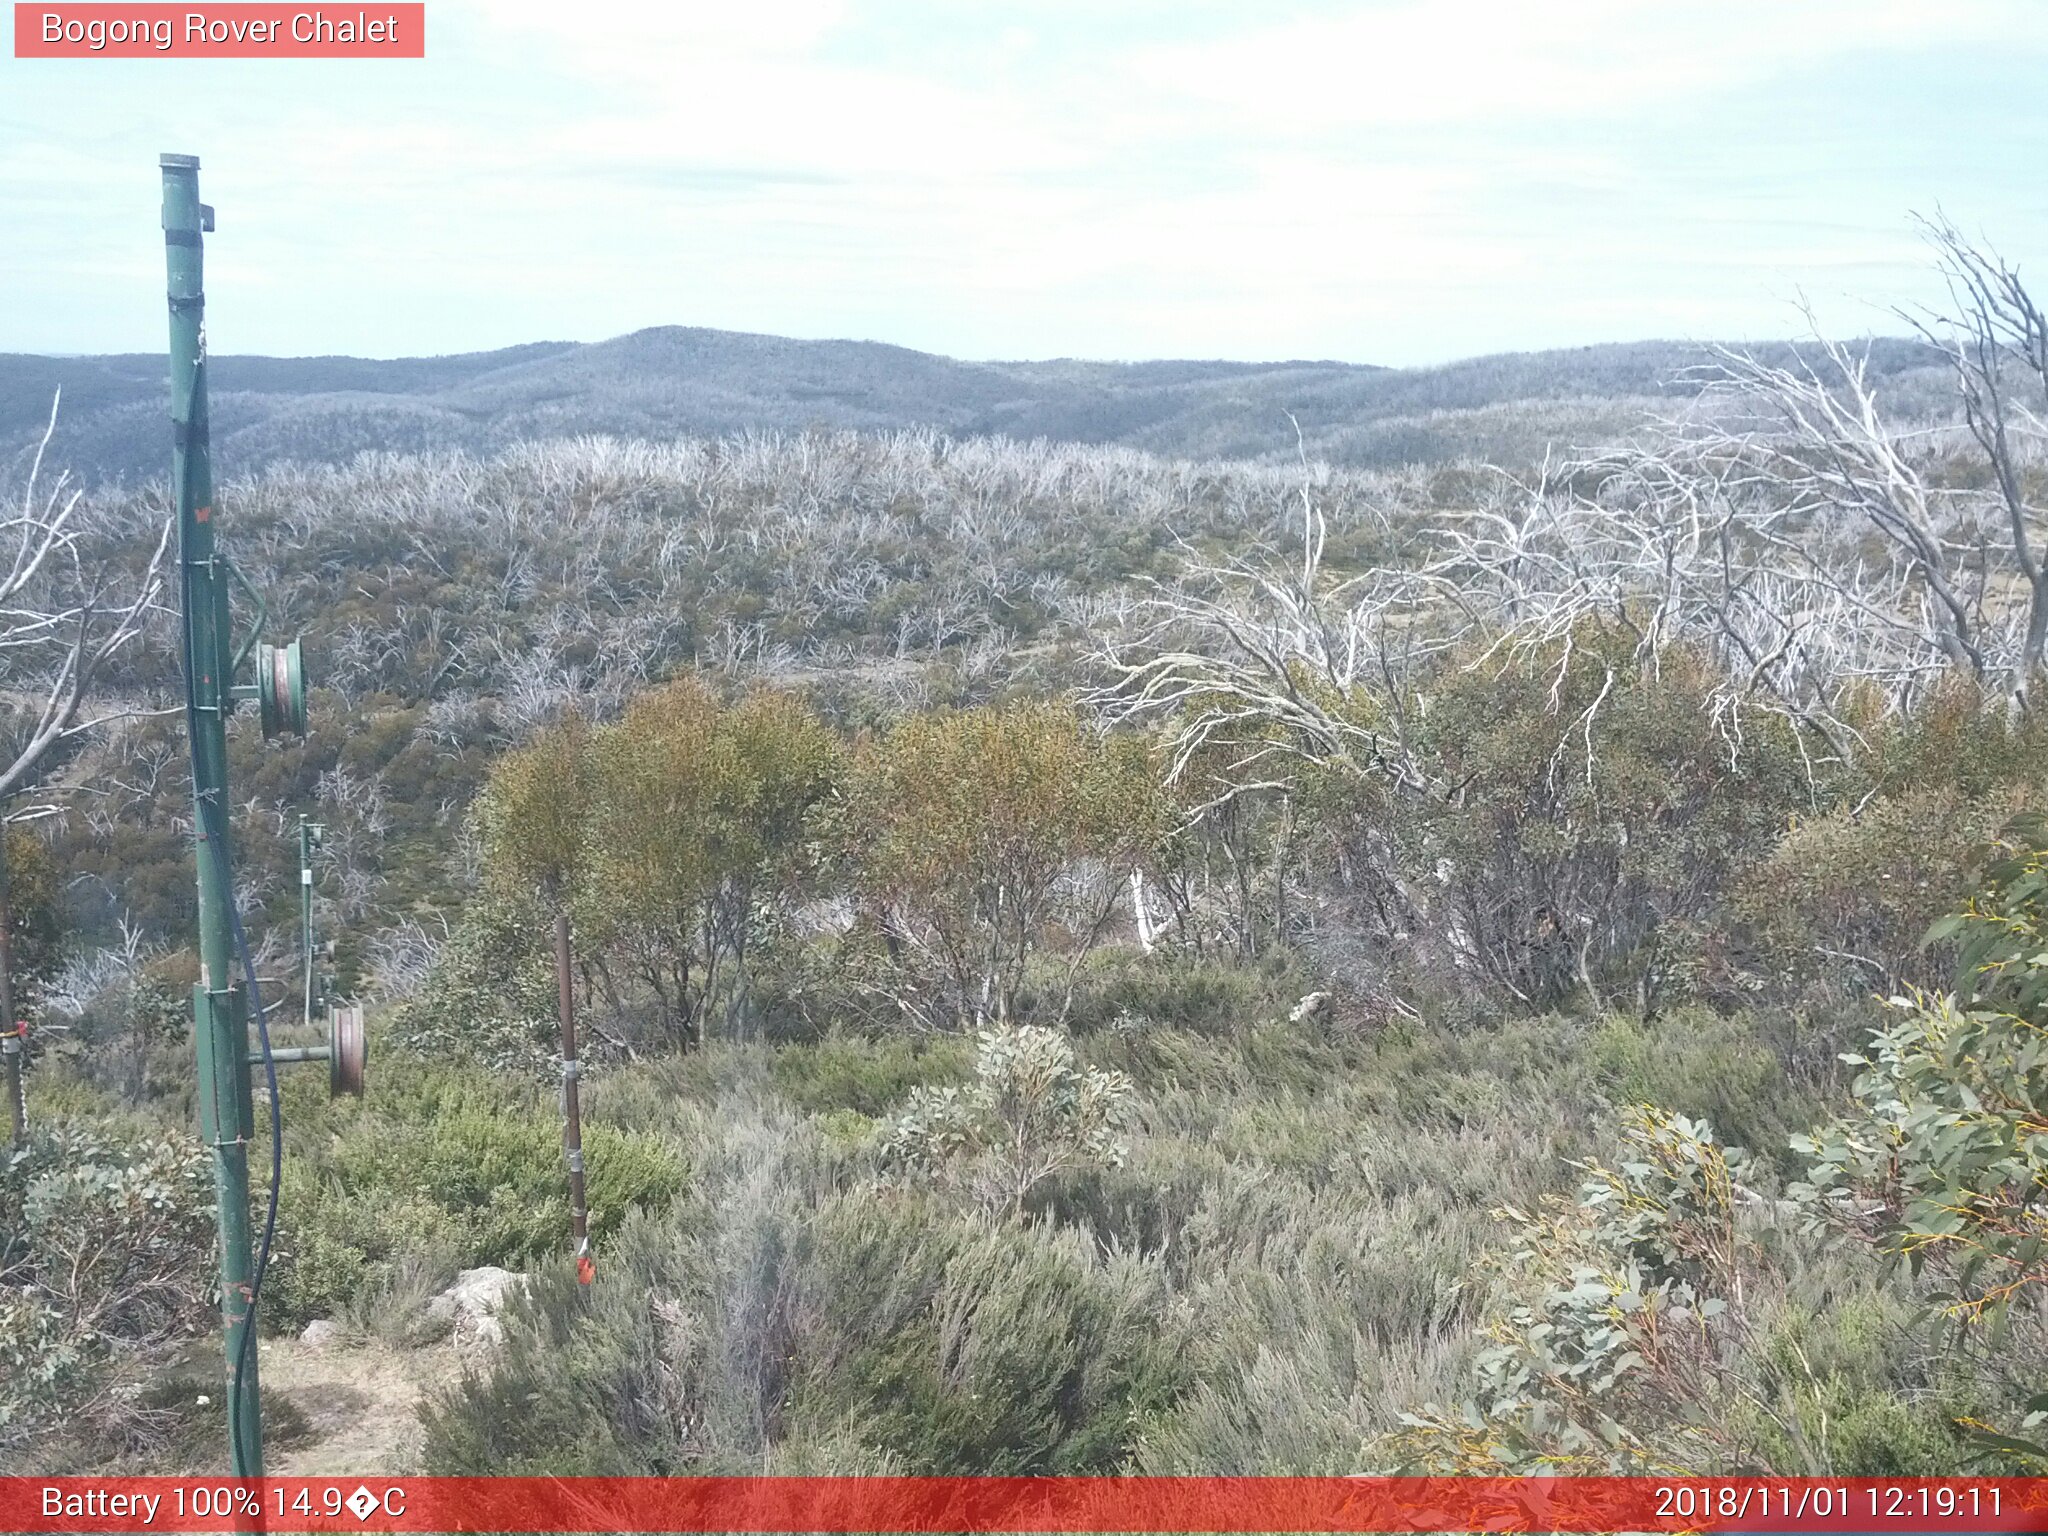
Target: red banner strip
[377,30]
[969,1504]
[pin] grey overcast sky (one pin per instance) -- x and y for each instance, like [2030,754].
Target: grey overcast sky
[1393,181]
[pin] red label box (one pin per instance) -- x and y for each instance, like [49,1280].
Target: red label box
[104,30]
[1333,1506]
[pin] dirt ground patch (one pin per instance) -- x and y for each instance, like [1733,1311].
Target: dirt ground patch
[361,1402]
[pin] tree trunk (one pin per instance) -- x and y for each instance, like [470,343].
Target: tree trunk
[1282,848]
[572,1117]
[2036,642]
[12,1045]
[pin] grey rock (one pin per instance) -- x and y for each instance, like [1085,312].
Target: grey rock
[472,1305]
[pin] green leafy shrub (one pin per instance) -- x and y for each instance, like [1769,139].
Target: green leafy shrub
[445,1162]
[1315,1297]
[116,1232]
[779,1319]
[1674,1317]
[871,1076]
[125,1026]
[1121,989]
[1854,891]
[696,828]
[980,839]
[1960,736]
[335,1245]
[36,917]
[1030,1113]
[989,1349]
[1854,1381]
[1596,819]
[1851,889]
[561,1396]
[1944,1163]
[106,1244]
[45,1364]
[1614,1321]
[1712,1067]
[491,997]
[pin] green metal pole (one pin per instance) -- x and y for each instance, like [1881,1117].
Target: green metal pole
[220,1020]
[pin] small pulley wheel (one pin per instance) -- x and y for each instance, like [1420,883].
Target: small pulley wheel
[281,690]
[346,1051]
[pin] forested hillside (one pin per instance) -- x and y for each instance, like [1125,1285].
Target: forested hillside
[674,381]
[1104,960]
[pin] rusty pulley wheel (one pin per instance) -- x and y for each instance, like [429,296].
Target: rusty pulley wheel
[281,690]
[346,1051]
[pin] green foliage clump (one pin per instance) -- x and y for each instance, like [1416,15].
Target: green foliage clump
[1856,888]
[1677,1318]
[436,1160]
[1596,818]
[533,815]
[985,1348]
[1945,1160]
[1856,1382]
[45,1364]
[664,836]
[106,1243]
[980,838]
[779,1321]
[870,1076]
[1851,889]
[1722,1069]
[1614,1318]
[125,1030]
[1031,1112]
[1122,990]
[36,917]
[1672,1320]
[1957,737]
[490,998]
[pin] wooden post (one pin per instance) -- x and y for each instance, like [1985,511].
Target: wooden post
[572,1115]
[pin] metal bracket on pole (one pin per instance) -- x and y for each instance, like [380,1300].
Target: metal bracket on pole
[256,624]
[345,1052]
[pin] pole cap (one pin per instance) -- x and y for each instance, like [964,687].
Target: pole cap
[178,162]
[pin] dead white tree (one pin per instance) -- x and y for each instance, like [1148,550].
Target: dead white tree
[1995,339]
[66,610]
[1786,524]
[1679,540]
[1261,663]
[1826,469]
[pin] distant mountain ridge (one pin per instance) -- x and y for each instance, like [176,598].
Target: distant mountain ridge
[673,381]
